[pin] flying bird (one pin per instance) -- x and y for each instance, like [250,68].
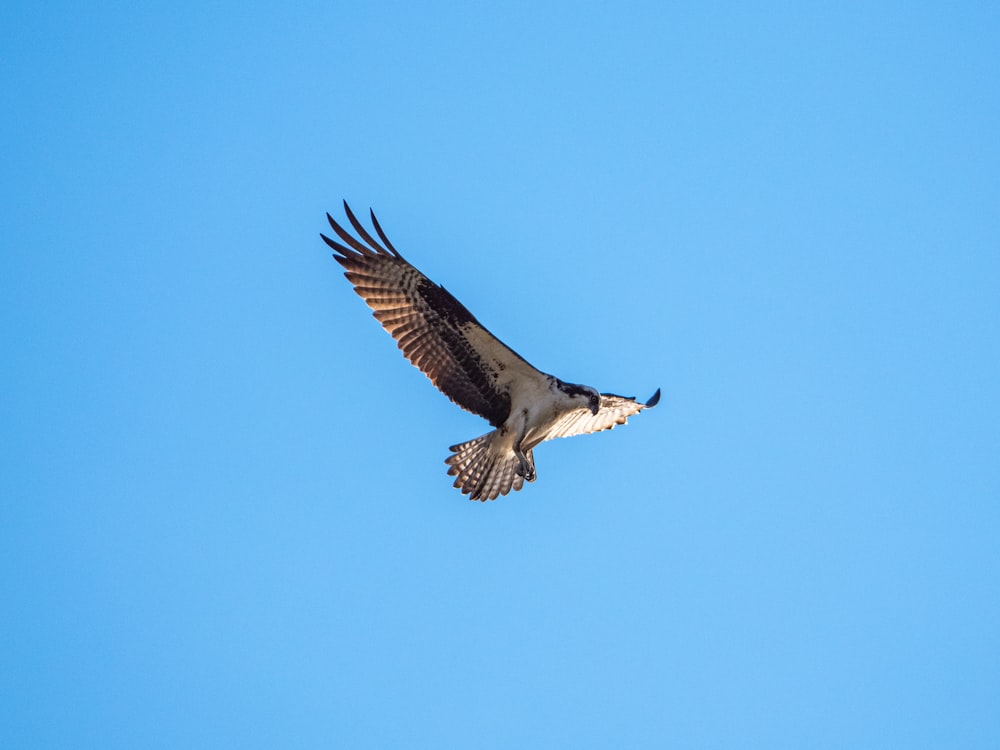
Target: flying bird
[472,367]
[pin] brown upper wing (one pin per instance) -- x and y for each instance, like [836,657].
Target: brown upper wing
[433,329]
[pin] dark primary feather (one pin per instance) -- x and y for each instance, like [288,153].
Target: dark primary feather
[428,323]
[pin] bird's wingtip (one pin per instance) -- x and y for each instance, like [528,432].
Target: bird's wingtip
[653,400]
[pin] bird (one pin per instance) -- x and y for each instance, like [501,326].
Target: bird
[472,367]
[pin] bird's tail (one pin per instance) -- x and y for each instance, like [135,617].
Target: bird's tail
[484,469]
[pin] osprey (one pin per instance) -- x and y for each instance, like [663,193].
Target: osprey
[473,368]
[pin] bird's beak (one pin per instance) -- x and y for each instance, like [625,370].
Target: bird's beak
[595,409]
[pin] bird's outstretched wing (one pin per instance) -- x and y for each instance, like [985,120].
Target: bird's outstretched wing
[433,329]
[614,410]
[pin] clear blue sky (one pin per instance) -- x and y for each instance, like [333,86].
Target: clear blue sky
[224,514]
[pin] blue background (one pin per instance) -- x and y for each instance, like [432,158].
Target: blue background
[224,514]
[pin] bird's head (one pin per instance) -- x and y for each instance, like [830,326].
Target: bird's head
[583,395]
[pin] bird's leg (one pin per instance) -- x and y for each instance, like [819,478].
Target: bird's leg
[524,467]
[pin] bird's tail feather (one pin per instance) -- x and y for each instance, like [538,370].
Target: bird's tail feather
[483,469]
